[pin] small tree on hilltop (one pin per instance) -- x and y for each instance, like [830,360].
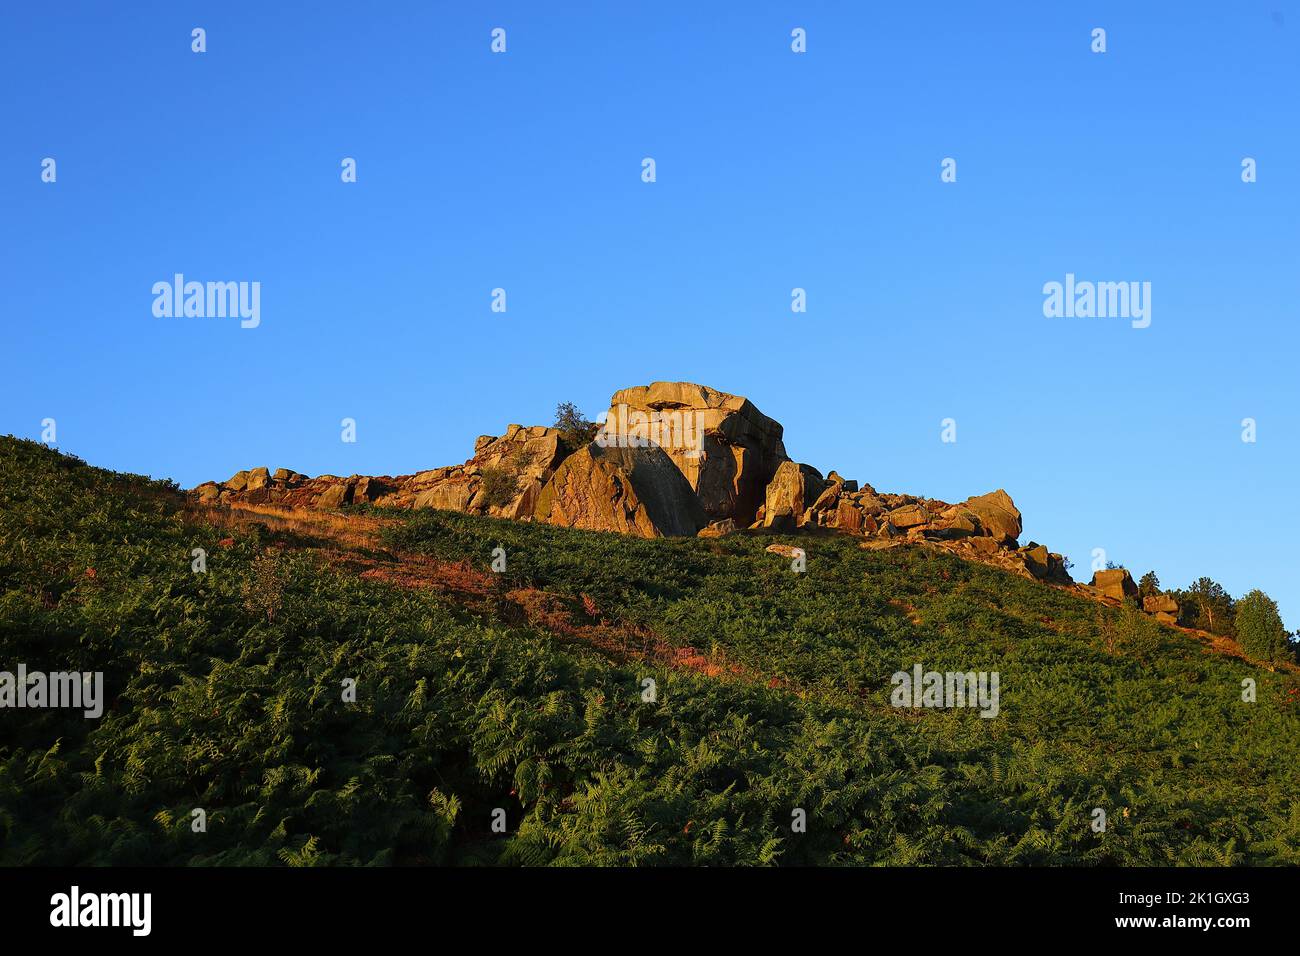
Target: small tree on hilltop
[575,428]
[1259,628]
[1149,585]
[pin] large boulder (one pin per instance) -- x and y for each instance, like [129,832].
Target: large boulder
[909,516]
[629,490]
[1116,583]
[997,514]
[335,495]
[726,448]
[1164,606]
[258,479]
[791,492]
[1156,603]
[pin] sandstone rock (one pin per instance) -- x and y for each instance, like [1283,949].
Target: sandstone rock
[960,524]
[1116,583]
[630,490]
[1057,572]
[869,503]
[725,447]
[880,544]
[237,482]
[786,551]
[335,496]
[366,489]
[850,517]
[717,529]
[208,492]
[1160,604]
[528,455]
[997,514]
[829,497]
[1037,559]
[909,516]
[257,478]
[447,495]
[792,489]
[849,486]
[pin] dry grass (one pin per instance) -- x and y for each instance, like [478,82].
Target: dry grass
[359,531]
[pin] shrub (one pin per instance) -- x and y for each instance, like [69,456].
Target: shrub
[500,486]
[1259,628]
[575,428]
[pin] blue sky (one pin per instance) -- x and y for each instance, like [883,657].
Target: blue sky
[775,170]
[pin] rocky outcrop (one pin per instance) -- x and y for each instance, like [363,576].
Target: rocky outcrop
[629,490]
[723,445]
[674,458]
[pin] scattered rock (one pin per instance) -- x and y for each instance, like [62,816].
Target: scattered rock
[786,550]
[716,529]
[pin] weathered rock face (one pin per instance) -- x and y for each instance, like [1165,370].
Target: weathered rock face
[790,494]
[997,514]
[629,490]
[724,446]
[1115,583]
[523,459]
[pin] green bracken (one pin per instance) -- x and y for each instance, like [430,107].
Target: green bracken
[224,692]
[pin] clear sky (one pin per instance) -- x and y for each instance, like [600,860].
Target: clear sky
[775,170]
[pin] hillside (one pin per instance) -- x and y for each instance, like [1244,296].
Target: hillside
[523,690]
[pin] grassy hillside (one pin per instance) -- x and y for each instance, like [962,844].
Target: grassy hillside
[523,691]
